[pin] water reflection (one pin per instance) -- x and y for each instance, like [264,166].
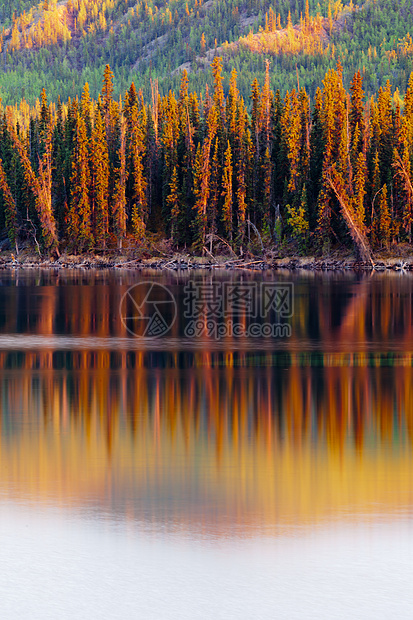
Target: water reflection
[234,435]
[196,478]
[332,313]
[217,447]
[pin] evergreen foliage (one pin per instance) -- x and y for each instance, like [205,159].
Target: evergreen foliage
[66,44]
[334,169]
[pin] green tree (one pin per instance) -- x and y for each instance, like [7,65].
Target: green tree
[227,192]
[10,211]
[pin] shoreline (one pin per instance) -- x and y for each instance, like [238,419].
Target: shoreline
[189,263]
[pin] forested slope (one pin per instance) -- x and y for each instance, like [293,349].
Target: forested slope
[62,45]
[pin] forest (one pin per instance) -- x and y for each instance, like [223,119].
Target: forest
[65,44]
[89,175]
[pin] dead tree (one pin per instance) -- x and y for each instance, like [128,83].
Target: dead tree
[356,233]
[41,187]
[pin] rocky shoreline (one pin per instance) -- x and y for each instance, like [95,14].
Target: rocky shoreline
[185,263]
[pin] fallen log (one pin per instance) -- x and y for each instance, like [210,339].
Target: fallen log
[357,235]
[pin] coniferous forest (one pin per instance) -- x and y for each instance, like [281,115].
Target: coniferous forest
[65,44]
[332,170]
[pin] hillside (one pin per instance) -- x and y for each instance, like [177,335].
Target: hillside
[62,45]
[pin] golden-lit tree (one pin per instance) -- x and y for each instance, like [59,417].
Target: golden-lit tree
[79,224]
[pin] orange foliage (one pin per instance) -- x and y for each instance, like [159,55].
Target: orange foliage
[310,39]
[47,28]
[55,23]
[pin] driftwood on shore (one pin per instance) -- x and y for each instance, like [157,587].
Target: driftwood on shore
[186,263]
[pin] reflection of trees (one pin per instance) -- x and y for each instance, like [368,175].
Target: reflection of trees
[207,444]
[218,433]
[351,314]
[331,313]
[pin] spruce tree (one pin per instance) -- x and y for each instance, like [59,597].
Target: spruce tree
[10,211]
[100,181]
[79,226]
[227,193]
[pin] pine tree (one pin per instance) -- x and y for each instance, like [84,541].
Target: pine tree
[170,134]
[86,109]
[232,106]
[360,174]
[130,101]
[202,173]
[118,210]
[139,183]
[44,122]
[240,158]
[334,117]
[214,194]
[291,127]
[317,146]
[255,150]
[304,106]
[255,100]
[267,183]
[265,129]
[219,99]
[265,109]
[385,220]
[402,167]
[79,225]
[375,213]
[107,94]
[227,193]
[385,146]
[200,223]
[356,113]
[59,168]
[408,114]
[100,181]
[298,221]
[10,210]
[173,202]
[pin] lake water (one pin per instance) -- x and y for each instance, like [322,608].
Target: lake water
[215,473]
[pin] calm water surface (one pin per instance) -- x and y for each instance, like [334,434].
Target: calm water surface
[200,477]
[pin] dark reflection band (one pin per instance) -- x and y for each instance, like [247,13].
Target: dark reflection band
[118,360]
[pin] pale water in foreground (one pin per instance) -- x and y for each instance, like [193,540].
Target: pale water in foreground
[203,477]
